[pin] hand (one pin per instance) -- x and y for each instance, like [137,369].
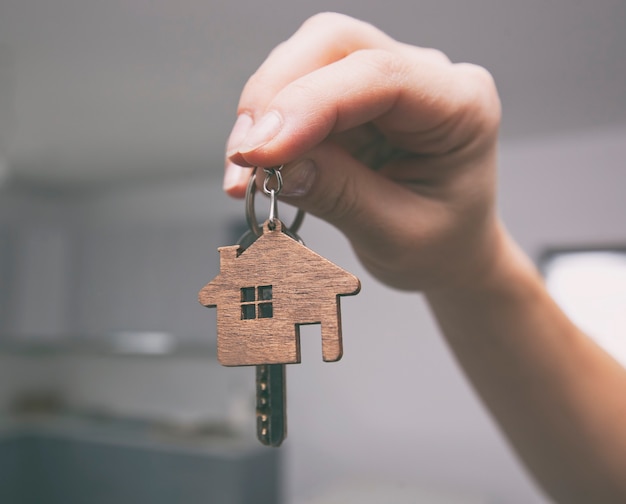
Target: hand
[392,144]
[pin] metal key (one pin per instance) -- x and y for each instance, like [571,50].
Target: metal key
[271,399]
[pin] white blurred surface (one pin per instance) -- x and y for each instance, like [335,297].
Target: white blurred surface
[591,288]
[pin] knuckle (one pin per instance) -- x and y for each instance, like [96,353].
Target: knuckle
[255,80]
[382,61]
[480,99]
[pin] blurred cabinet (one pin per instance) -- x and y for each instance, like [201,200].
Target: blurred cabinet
[38,467]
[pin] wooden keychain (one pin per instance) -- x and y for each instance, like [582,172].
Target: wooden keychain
[269,285]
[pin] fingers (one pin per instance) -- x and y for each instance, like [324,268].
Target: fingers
[414,102]
[337,73]
[421,106]
[361,86]
[334,98]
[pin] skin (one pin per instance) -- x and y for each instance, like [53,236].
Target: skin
[397,147]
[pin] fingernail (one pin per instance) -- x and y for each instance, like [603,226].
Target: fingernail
[242,125]
[234,176]
[262,132]
[298,180]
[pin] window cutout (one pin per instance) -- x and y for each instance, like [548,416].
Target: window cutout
[265,310]
[247,312]
[247,295]
[251,297]
[265,293]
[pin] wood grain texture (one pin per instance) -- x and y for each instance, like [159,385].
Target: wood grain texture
[305,289]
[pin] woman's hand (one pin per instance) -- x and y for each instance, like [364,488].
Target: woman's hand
[393,144]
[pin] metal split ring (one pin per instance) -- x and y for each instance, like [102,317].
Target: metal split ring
[272,193]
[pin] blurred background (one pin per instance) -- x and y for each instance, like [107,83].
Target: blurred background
[113,118]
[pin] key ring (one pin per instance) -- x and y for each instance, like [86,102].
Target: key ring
[272,193]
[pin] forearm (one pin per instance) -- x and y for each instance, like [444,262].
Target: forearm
[559,398]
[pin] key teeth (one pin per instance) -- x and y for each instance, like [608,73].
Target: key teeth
[271,418]
[264,432]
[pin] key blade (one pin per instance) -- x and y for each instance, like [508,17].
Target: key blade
[271,416]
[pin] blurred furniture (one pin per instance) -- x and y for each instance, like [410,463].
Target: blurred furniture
[66,460]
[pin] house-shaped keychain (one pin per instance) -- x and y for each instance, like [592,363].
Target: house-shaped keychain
[266,292]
